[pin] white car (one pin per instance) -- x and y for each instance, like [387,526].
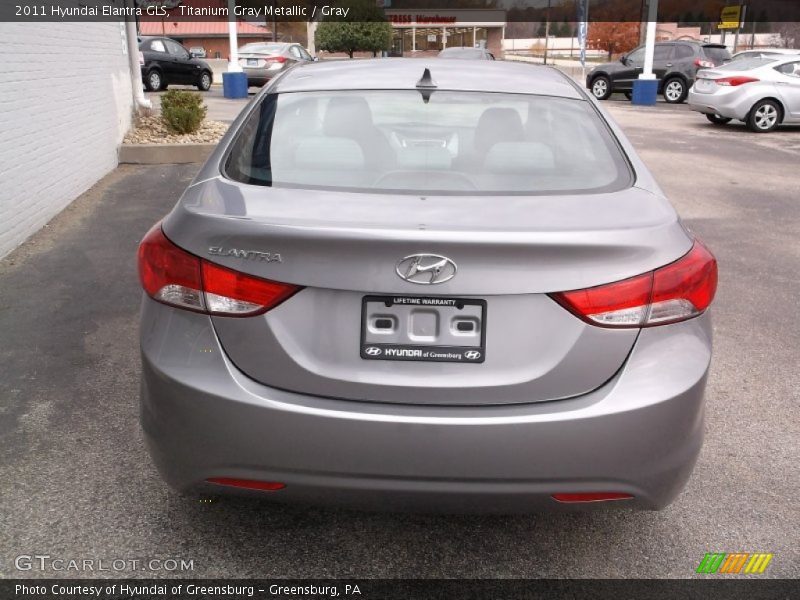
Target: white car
[762,92]
[764,53]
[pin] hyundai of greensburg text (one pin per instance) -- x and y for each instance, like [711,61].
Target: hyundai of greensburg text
[429,285]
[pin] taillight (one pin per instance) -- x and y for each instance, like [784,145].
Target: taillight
[248,484]
[736,80]
[676,292]
[703,64]
[173,276]
[276,59]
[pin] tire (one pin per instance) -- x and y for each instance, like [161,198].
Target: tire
[204,83]
[764,116]
[675,90]
[154,81]
[629,95]
[717,120]
[601,87]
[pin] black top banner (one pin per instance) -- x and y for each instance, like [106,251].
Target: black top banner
[400,589]
[687,12]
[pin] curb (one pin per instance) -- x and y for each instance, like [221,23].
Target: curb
[164,154]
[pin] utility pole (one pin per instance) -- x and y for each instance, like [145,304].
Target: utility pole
[738,29]
[547,32]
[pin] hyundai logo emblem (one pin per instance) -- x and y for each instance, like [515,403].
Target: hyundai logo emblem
[426,269]
[372,351]
[472,355]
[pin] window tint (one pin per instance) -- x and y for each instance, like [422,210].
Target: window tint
[717,54]
[683,51]
[305,54]
[176,49]
[263,48]
[746,54]
[475,53]
[662,52]
[295,51]
[745,64]
[636,56]
[456,143]
[157,46]
[791,69]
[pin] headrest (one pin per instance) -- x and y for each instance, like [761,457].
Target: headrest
[519,158]
[325,153]
[497,125]
[345,116]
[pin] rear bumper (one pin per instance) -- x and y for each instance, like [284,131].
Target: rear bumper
[733,103]
[259,77]
[640,433]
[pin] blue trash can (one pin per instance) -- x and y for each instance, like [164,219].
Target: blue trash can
[645,92]
[234,85]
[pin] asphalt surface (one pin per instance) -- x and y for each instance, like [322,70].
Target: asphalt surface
[76,482]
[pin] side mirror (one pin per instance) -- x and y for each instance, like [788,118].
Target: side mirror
[315,59]
[624,59]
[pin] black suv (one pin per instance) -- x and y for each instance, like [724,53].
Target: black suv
[675,65]
[164,61]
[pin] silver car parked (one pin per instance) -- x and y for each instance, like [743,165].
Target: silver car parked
[263,61]
[427,284]
[763,92]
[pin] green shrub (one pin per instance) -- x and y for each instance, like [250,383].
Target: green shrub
[183,112]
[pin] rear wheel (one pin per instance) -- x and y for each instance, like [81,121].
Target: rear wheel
[764,116]
[601,87]
[717,120]
[204,83]
[675,91]
[154,81]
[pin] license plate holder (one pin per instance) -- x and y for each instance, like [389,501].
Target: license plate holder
[423,328]
[252,62]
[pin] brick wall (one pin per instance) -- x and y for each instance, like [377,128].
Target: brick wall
[65,105]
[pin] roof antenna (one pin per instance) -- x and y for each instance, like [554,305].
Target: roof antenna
[426,85]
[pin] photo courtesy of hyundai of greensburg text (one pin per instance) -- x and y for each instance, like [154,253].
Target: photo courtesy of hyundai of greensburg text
[399,299]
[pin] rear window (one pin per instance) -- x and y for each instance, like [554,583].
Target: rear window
[717,53]
[746,64]
[455,143]
[461,53]
[263,48]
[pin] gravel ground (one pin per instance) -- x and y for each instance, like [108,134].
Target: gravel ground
[76,482]
[153,130]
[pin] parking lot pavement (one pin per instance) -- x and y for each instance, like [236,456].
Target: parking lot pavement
[77,482]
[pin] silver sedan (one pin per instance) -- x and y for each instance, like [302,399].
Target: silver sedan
[423,283]
[263,61]
[763,92]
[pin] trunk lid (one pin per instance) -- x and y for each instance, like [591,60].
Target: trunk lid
[510,251]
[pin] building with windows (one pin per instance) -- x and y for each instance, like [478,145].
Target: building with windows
[429,31]
[212,36]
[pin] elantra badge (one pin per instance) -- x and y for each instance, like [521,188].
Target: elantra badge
[426,269]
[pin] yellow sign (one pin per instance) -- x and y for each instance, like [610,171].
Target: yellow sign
[730,17]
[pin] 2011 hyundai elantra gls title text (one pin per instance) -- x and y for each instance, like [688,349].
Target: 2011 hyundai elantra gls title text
[421,284]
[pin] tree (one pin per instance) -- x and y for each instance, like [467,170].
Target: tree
[613,36]
[366,29]
[788,34]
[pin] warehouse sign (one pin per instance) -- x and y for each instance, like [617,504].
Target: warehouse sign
[730,17]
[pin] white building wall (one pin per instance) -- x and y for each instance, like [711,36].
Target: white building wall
[65,105]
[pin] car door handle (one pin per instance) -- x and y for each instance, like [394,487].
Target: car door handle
[669,64]
[781,83]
